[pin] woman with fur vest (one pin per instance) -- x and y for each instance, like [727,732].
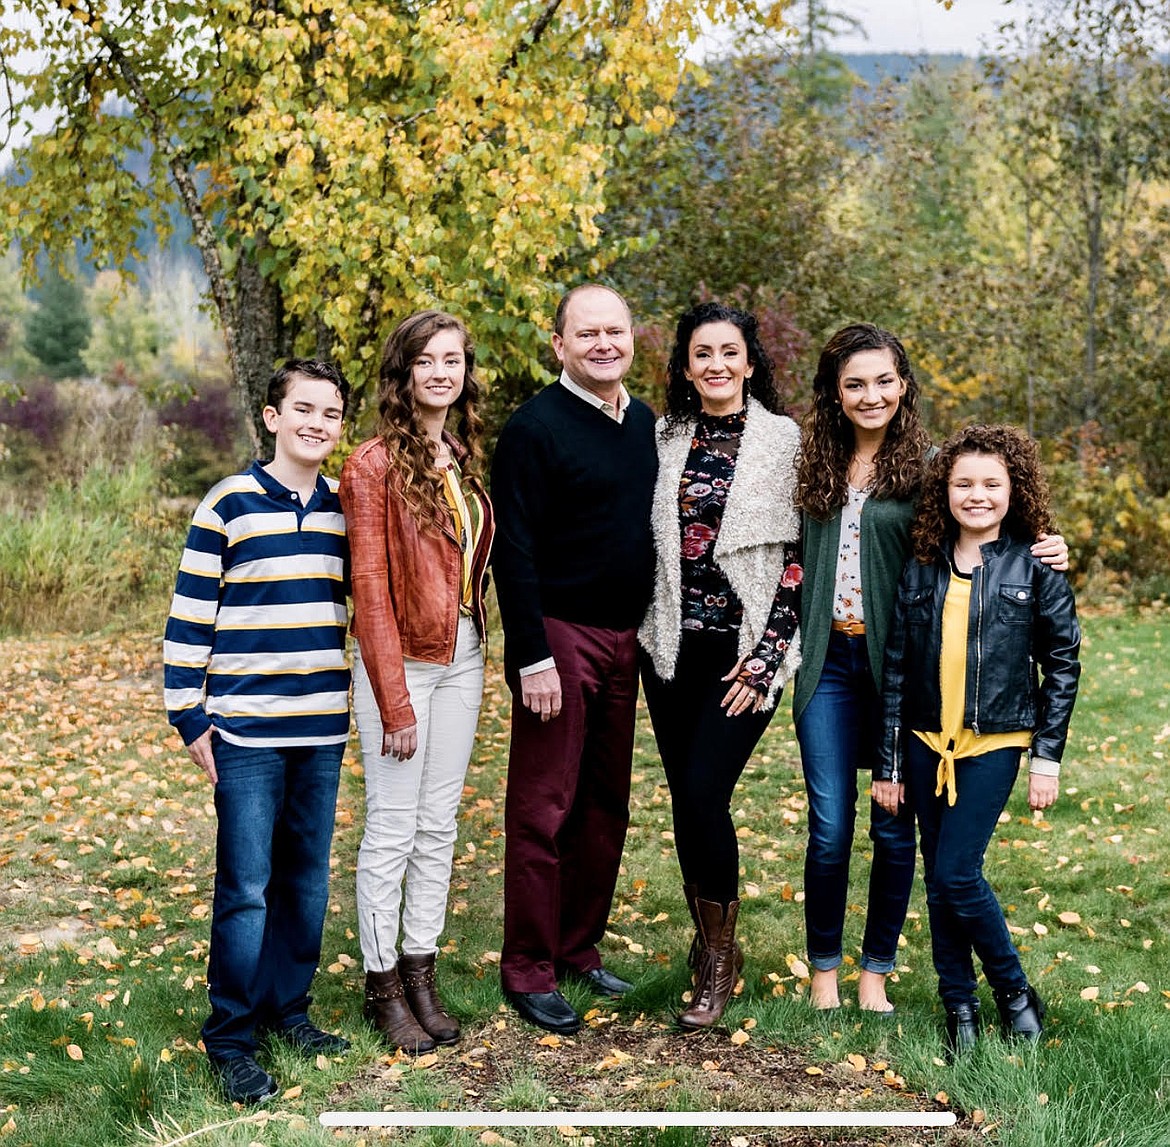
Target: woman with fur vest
[721,636]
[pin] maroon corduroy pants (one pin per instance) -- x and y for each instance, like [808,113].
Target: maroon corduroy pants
[567,808]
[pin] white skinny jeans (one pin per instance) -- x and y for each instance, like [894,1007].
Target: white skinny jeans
[411,806]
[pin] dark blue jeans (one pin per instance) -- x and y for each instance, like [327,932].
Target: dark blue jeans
[964,914]
[275,809]
[839,733]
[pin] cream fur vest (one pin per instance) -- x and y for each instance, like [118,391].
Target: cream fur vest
[758,520]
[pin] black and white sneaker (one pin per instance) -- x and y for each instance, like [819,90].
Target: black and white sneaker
[308,1038]
[243,1080]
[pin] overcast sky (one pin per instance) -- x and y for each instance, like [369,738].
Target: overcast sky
[924,25]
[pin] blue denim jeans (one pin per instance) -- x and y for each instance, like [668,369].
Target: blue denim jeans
[964,914]
[839,732]
[275,809]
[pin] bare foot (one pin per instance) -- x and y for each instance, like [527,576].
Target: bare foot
[871,992]
[823,993]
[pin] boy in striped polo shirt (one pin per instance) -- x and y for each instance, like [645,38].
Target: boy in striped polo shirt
[257,685]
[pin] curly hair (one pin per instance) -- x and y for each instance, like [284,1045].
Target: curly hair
[828,442]
[411,452]
[682,399]
[1029,514]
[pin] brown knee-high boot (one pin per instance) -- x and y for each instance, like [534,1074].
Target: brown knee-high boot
[386,1008]
[418,978]
[719,964]
[691,892]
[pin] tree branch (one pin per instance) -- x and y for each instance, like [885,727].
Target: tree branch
[533,35]
[10,118]
[204,233]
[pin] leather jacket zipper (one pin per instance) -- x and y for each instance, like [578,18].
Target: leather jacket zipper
[978,652]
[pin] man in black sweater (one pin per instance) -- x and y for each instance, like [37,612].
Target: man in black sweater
[572,482]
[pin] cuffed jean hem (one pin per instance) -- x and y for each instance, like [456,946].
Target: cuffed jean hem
[826,963]
[868,963]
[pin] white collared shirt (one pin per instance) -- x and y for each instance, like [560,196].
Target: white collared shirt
[617,413]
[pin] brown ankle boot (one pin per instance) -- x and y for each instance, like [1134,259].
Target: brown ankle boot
[386,1008]
[418,979]
[691,892]
[719,964]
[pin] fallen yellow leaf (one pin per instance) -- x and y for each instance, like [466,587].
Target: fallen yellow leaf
[1090,993]
[74,1053]
[813,1071]
[1069,917]
[740,1037]
[550,1041]
[855,1061]
[293,1092]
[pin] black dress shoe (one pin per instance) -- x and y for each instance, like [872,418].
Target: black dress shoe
[548,1010]
[602,981]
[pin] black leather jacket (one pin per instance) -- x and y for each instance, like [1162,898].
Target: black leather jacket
[1023,616]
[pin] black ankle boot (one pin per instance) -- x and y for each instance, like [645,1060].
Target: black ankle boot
[962,1028]
[1021,1013]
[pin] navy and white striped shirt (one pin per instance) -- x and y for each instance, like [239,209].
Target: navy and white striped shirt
[255,641]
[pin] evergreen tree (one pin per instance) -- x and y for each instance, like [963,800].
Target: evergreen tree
[56,330]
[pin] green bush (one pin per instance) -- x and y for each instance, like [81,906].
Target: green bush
[1117,529]
[97,552]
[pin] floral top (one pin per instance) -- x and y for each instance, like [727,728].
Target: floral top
[708,601]
[847,601]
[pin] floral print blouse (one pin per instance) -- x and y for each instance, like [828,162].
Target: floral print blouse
[708,601]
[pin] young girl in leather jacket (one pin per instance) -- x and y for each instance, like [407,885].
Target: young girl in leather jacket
[976,617]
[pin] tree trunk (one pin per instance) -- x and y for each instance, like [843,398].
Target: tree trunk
[259,328]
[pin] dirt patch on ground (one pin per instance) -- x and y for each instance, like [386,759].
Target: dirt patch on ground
[651,1066]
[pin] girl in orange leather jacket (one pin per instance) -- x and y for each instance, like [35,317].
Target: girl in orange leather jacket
[420,530]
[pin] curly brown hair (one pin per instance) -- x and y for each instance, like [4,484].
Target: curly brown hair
[411,452]
[1029,514]
[828,440]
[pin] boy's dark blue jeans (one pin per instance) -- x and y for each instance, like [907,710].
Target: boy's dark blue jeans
[965,915]
[276,810]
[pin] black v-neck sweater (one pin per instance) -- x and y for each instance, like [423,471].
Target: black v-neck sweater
[572,490]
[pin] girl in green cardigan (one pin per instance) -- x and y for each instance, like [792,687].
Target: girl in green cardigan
[863,456]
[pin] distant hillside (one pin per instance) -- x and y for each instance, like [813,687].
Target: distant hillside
[874,67]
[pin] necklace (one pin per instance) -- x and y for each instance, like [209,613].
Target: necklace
[861,471]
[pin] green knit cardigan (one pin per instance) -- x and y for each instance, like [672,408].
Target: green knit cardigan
[885,545]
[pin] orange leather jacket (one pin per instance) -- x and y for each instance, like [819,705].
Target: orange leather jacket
[407,582]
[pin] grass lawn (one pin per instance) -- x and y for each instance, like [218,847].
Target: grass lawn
[106,858]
